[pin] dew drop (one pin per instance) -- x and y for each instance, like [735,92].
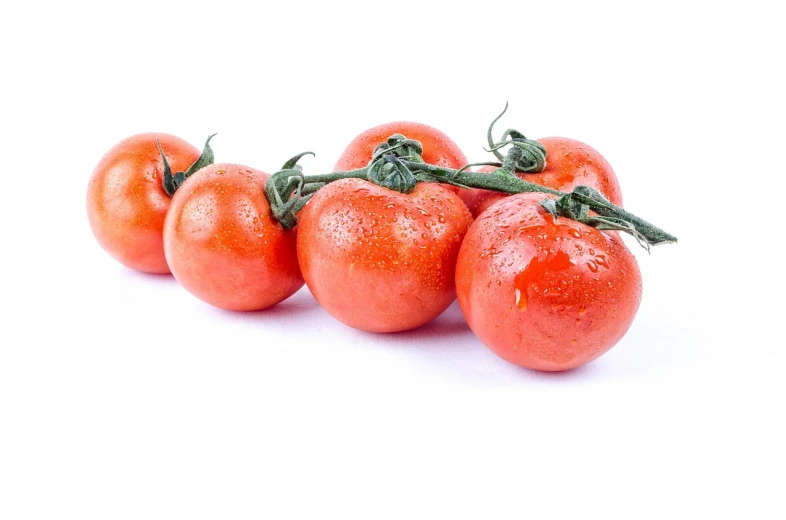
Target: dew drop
[521,301]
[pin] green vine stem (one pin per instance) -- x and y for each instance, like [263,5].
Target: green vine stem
[397,164]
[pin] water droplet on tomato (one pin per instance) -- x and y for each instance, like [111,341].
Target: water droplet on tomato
[519,303]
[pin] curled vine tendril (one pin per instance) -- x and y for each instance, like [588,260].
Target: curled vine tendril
[527,155]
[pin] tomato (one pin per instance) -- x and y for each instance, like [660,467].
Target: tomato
[379,260]
[223,244]
[569,163]
[126,202]
[438,148]
[544,293]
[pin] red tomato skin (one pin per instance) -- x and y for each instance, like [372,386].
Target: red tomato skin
[542,293]
[438,148]
[126,201]
[378,260]
[569,163]
[223,244]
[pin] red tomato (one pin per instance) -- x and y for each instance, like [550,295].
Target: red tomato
[379,260]
[438,148]
[223,244]
[569,163]
[543,293]
[126,202]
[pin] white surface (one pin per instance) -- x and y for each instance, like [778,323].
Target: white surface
[121,396]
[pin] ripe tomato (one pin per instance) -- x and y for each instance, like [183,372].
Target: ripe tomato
[126,202]
[438,148]
[569,163]
[379,260]
[543,293]
[223,244]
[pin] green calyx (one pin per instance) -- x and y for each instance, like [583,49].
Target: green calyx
[284,191]
[172,182]
[387,167]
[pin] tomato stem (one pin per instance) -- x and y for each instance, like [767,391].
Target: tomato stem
[397,164]
[607,216]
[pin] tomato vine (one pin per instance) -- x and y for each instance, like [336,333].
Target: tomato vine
[397,165]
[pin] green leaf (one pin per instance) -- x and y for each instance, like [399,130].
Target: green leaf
[205,159]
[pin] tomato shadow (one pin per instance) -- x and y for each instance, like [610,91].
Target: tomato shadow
[293,308]
[450,325]
[588,371]
[158,279]
[448,345]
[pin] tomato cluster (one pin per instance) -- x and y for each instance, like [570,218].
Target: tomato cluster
[541,291]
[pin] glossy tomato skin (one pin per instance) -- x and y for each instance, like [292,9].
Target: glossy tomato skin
[438,148]
[126,202]
[379,260]
[542,293]
[223,244]
[569,163]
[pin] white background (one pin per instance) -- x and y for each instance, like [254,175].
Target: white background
[121,396]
